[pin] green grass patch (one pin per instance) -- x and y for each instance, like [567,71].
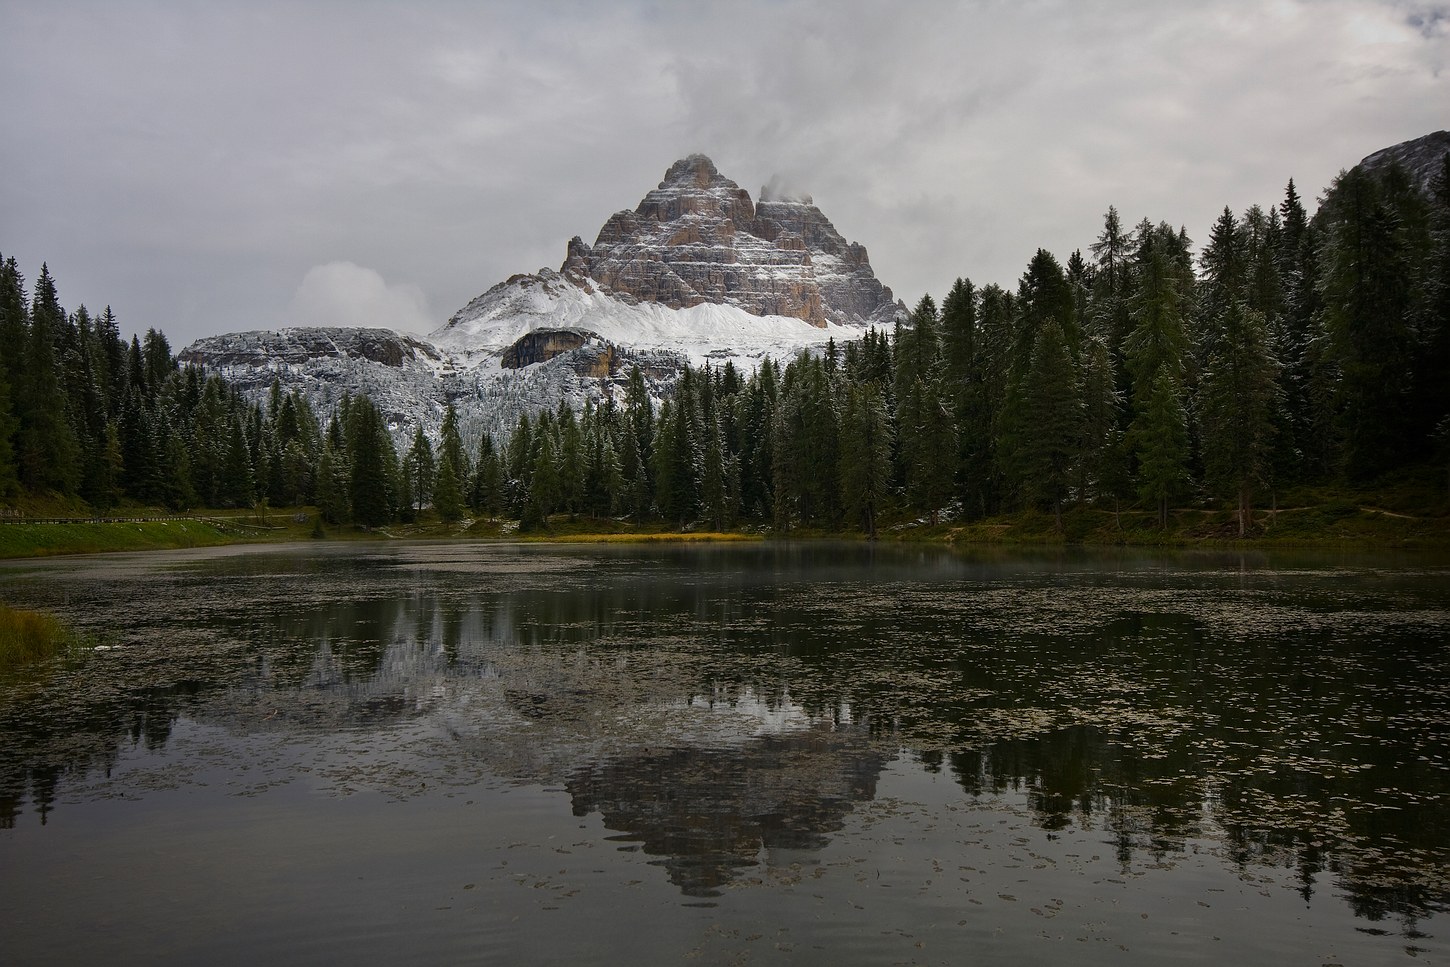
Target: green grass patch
[28,637]
[1336,522]
[87,537]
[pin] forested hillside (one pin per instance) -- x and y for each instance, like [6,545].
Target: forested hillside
[1288,350]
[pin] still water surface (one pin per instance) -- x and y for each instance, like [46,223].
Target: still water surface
[813,753]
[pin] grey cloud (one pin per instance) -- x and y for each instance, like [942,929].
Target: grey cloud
[191,164]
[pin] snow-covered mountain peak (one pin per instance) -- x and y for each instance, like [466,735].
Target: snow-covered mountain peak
[697,273]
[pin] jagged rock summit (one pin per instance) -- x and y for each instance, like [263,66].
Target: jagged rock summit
[699,238]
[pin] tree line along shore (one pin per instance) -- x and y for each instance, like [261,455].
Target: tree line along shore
[1289,383]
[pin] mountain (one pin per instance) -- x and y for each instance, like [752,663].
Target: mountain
[697,238]
[1420,158]
[698,272]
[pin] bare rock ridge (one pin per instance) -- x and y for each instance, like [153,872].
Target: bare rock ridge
[284,348]
[1420,158]
[699,238]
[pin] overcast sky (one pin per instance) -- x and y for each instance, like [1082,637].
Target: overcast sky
[213,167]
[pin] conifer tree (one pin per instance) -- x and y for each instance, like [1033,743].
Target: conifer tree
[1237,399]
[570,459]
[157,358]
[756,415]
[486,492]
[49,457]
[447,494]
[1157,342]
[369,484]
[176,468]
[450,446]
[931,474]
[1112,284]
[921,432]
[299,485]
[672,464]
[520,464]
[1051,425]
[238,486]
[965,381]
[918,348]
[9,476]
[786,465]
[1100,472]
[714,483]
[1432,330]
[108,486]
[997,339]
[635,497]
[1159,437]
[14,323]
[420,470]
[865,454]
[334,476]
[1043,296]
[543,485]
[1366,290]
[639,411]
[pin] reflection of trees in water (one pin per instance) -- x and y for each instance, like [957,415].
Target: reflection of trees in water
[708,813]
[76,719]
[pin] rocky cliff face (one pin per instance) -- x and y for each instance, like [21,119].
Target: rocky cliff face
[699,238]
[542,345]
[1421,158]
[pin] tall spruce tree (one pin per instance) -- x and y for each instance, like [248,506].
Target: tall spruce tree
[14,322]
[1159,438]
[865,454]
[1237,401]
[448,493]
[368,446]
[49,456]
[420,469]
[1238,391]
[9,472]
[1432,330]
[334,476]
[1051,422]
[1100,470]
[1366,288]
[1112,284]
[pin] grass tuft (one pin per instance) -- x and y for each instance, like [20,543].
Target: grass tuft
[27,637]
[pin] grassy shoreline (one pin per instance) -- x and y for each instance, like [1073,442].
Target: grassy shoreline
[1335,524]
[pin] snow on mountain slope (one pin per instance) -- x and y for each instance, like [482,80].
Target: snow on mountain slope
[708,332]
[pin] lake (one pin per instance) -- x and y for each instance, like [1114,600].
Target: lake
[766,753]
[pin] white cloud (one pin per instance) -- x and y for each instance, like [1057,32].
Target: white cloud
[347,294]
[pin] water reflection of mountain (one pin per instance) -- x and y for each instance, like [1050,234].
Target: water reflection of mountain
[708,813]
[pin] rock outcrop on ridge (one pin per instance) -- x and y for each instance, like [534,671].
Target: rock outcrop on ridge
[699,238]
[1421,158]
